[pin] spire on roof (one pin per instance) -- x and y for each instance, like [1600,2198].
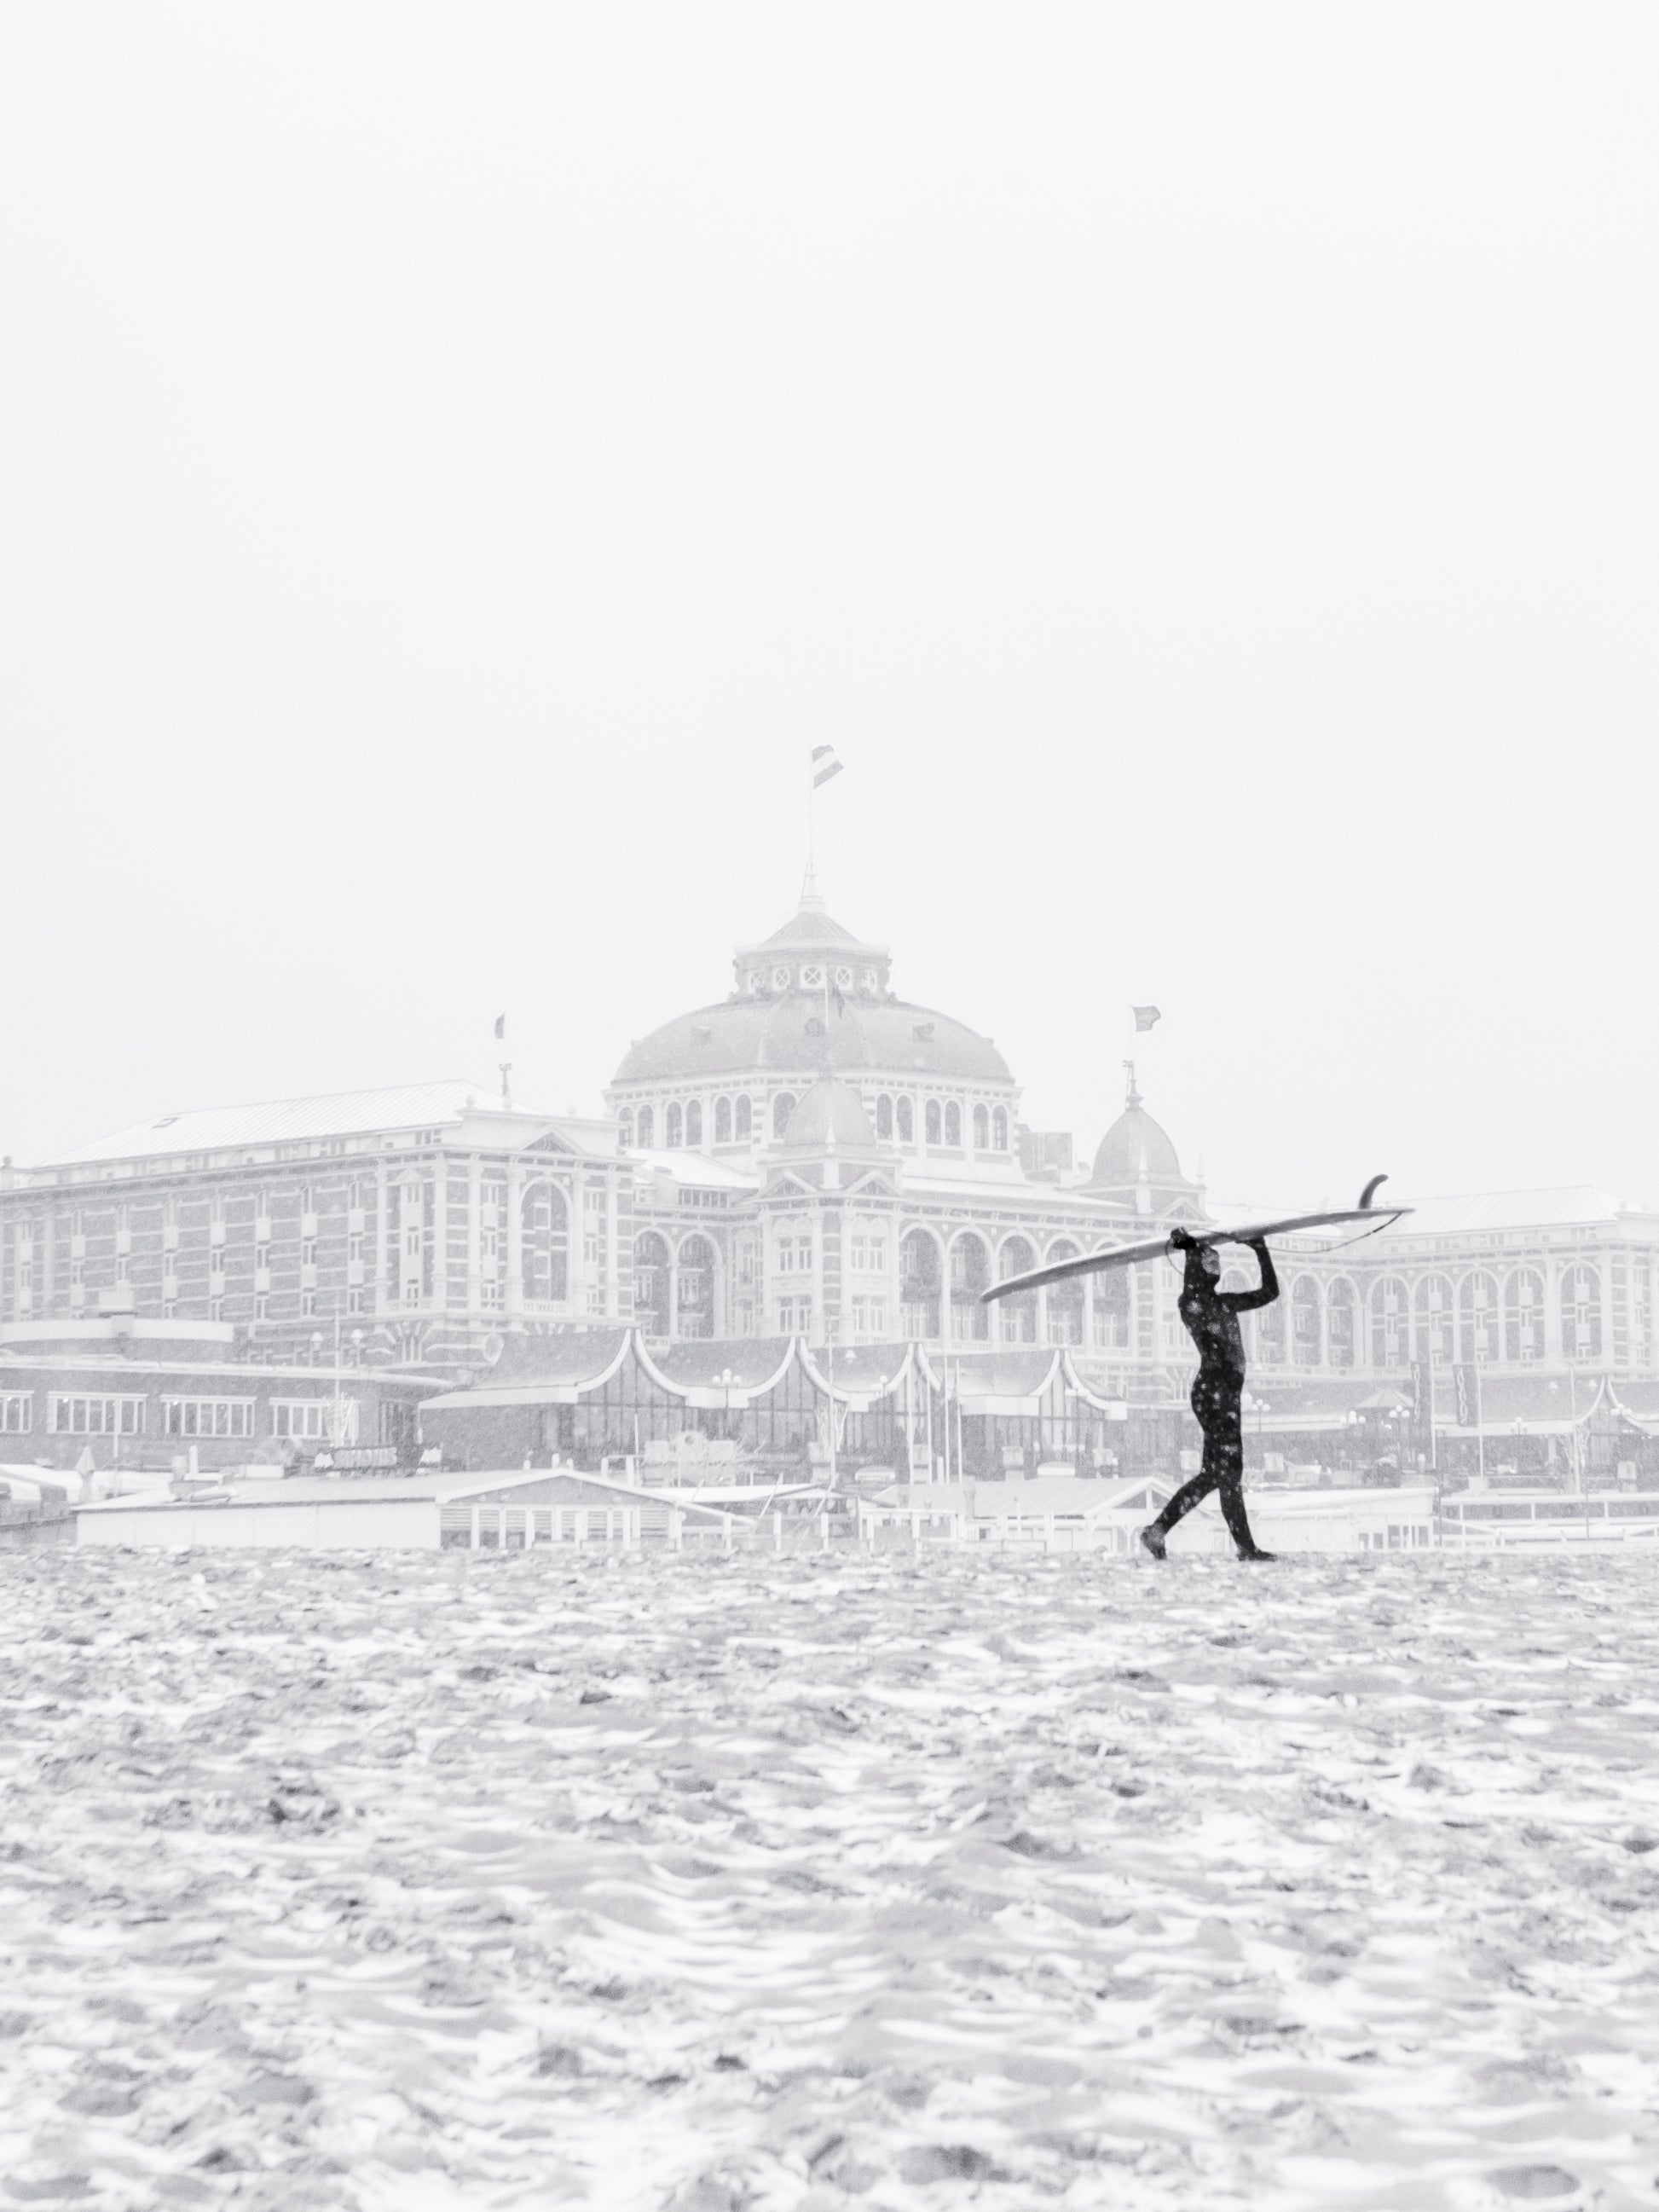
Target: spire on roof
[1131,1095]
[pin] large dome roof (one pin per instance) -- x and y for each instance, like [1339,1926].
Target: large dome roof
[790,1036]
[813,999]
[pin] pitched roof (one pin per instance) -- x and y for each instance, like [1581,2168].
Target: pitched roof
[287,1121]
[812,925]
[1564,1204]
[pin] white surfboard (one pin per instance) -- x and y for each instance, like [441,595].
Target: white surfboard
[1154,1248]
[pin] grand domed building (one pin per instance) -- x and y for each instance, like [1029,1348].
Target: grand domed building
[794,1202]
[819,1156]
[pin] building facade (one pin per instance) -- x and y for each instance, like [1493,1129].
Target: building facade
[814,1159]
[419,1219]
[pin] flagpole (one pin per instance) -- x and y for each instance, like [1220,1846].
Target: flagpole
[810,888]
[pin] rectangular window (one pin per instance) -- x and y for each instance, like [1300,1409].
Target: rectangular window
[412,1243]
[307,1304]
[96,1417]
[207,1417]
[312,1419]
[308,1252]
[354,1247]
[17,1412]
[215,1308]
[412,1292]
[354,1300]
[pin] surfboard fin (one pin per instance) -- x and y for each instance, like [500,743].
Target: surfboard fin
[1369,1192]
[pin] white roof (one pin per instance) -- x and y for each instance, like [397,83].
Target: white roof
[695,1167]
[1562,1207]
[338,1490]
[288,1121]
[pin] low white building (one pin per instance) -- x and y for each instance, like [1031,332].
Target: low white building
[361,1514]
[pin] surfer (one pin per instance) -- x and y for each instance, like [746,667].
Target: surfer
[1212,1318]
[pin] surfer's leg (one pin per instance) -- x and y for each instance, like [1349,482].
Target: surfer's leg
[1224,1450]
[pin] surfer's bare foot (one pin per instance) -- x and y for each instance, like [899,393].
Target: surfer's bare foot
[1153,1539]
[1255,1552]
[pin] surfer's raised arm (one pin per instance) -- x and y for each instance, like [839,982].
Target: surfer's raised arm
[1246,1301]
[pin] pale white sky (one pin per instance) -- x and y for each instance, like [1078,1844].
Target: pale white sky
[1197,464]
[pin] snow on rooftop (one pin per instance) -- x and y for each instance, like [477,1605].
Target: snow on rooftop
[287,1121]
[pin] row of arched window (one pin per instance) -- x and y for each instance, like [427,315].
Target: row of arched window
[1476,1318]
[733,1122]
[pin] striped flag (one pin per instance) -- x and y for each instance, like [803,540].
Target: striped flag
[824,764]
[1144,1017]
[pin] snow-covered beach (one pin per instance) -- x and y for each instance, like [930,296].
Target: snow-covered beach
[430,1881]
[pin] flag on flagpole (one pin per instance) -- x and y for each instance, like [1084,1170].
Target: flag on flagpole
[1145,1016]
[824,764]
[500,1025]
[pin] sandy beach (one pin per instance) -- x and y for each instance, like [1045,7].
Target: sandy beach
[432,1882]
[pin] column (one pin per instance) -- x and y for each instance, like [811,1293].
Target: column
[474,1217]
[1550,1268]
[612,1268]
[382,1211]
[513,1301]
[439,1233]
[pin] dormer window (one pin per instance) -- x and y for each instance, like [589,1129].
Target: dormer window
[843,979]
[811,977]
[780,979]
[867,981]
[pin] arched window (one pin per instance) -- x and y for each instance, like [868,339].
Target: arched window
[1581,1313]
[673,1128]
[694,1124]
[1305,1322]
[904,1113]
[782,1107]
[1270,1333]
[883,1117]
[1523,1315]
[952,1123]
[544,1243]
[981,1130]
[1391,1323]
[745,1123]
[919,1284]
[1341,1320]
[970,1273]
[1000,1130]
[934,1122]
[695,1313]
[1111,1300]
[1433,1305]
[647,1128]
[1477,1318]
[1065,1299]
[651,1279]
[625,1124]
[1019,1315]
[722,1120]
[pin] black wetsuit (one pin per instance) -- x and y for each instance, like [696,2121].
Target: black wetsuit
[1211,1319]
